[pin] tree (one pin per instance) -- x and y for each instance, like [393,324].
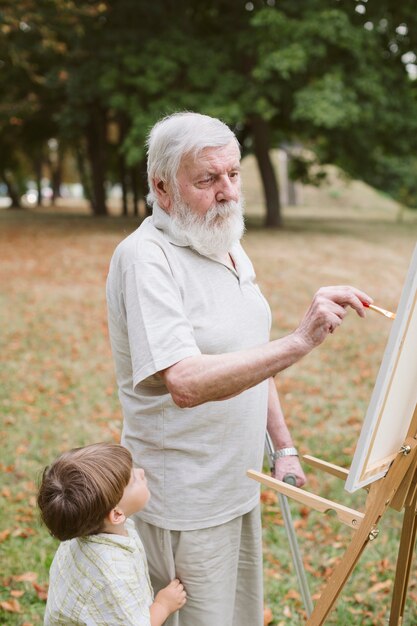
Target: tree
[328,76]
[28,47]
[51,55]
[324,80]
[308,74]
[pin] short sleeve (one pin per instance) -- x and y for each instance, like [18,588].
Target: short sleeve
[121,603]
[159,332]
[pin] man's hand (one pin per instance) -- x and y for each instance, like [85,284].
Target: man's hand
[202,378]
[327,310]
[289,465]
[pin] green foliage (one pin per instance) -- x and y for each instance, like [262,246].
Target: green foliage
[327,103]
[318,73]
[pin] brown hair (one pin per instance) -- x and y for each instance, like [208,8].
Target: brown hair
[81,487]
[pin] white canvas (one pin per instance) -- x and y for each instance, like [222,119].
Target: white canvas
[394,396]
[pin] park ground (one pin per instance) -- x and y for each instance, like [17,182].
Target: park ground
[57,387]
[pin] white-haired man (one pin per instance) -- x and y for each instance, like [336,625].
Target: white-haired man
[189,330]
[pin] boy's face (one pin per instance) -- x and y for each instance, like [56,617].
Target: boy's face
[136,493]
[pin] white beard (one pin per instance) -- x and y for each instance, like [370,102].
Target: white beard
[212,234]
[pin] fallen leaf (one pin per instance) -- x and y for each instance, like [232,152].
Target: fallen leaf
[268,617]
[41,591]
[269,497]
[11,606]
[26,577]
[382,586]
[4,534]
[23,532]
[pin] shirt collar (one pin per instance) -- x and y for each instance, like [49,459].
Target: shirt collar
[162,221]
[121,541]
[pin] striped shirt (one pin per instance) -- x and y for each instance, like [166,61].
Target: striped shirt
[100,579]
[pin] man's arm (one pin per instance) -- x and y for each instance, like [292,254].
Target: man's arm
[281,438]
[204,378]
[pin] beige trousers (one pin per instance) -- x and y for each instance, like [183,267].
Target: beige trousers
[220,567]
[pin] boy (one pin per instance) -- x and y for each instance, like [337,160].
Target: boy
[99,574]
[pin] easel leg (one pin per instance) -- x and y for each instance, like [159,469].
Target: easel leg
[342,572]
[380,495]
[405,558]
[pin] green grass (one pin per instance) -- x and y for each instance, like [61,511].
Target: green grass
[57,389]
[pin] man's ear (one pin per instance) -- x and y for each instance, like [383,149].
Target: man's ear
[162,193]
[116,516]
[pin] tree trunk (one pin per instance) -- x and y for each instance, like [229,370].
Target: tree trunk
[95,134]
[82,170]
[56,177]
[37,166]
[119,138]
[134,181]
[143,184]
[12,191]
[261,132]
[124,184]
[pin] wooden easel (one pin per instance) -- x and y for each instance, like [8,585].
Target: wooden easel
[397,489]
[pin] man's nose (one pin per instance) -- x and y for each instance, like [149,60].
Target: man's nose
[227,190]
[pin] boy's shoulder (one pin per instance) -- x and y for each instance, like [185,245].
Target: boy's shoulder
[99,551]
[103,571]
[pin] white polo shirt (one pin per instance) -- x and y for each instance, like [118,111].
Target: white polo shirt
[167,302]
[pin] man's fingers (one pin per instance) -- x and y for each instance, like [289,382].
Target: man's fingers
[290,465]
[327,311]
[345,295]
[356,301]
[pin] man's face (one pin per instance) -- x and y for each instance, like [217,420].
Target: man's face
[206,207]
[213,177]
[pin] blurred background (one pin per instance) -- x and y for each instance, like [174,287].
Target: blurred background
[304,85]
[322,95]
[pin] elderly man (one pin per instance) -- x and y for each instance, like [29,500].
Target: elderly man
[189,330]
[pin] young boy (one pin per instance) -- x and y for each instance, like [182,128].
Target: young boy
[99,574]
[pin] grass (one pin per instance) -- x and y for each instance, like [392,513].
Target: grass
[57,388]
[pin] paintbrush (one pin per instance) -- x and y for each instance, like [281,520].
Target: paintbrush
[378,309]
